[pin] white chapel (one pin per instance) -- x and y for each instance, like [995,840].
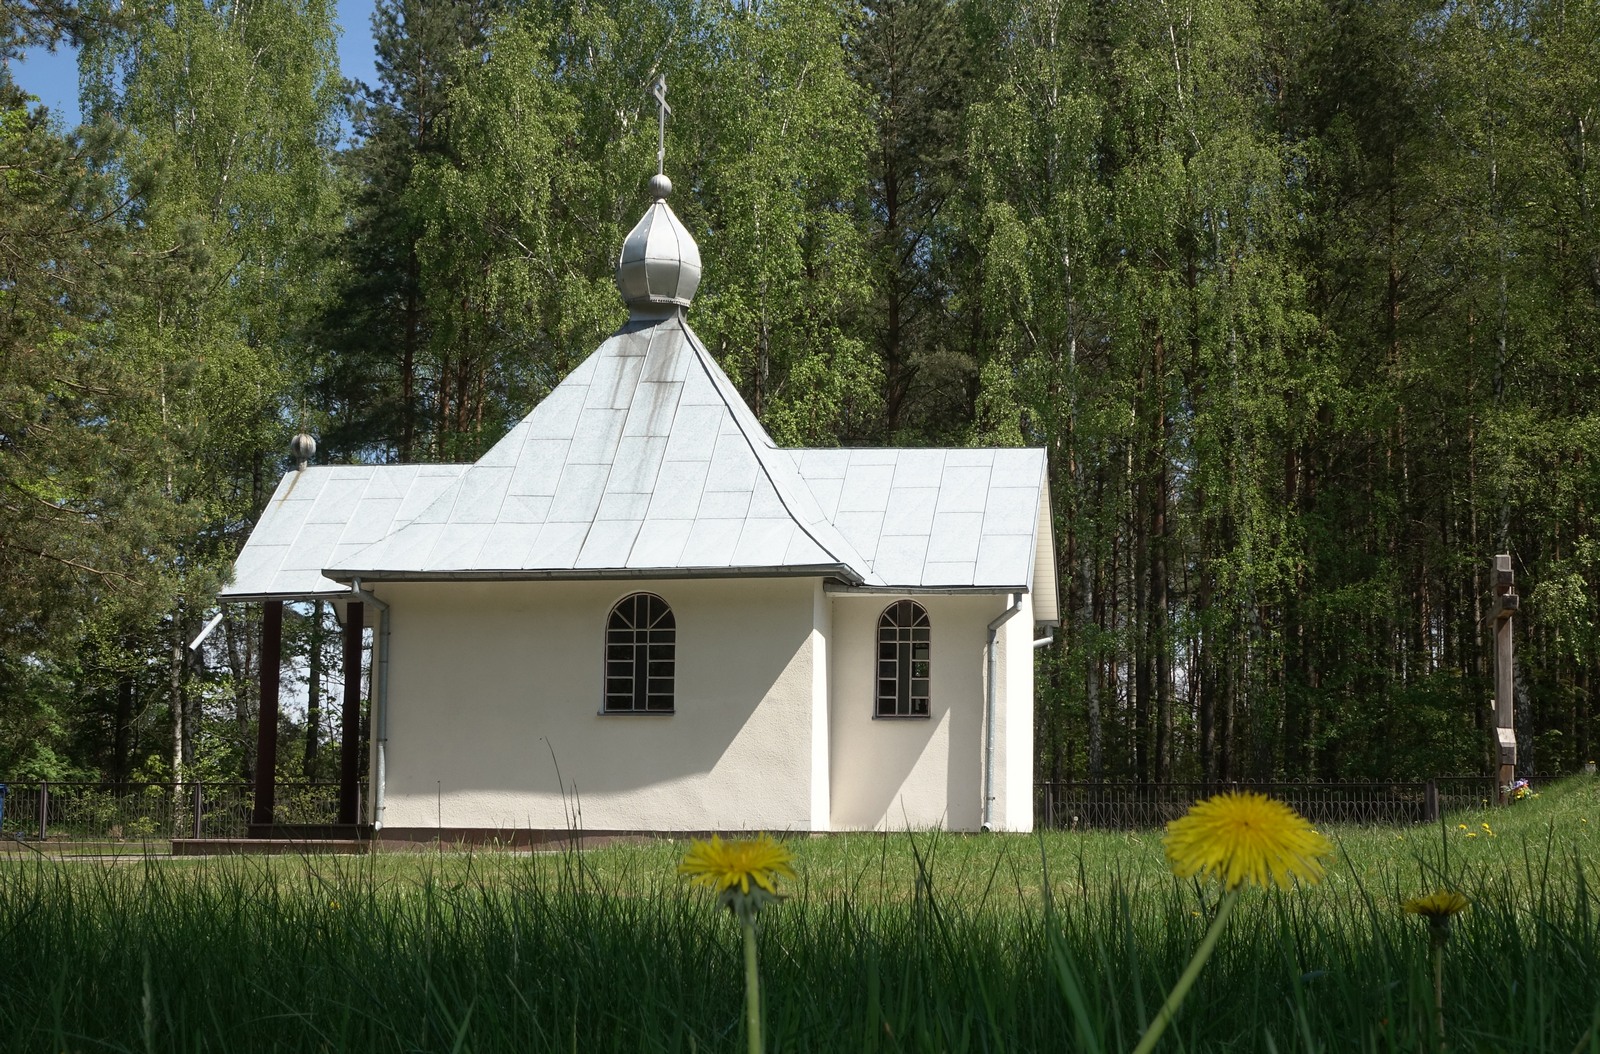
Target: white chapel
[636,613]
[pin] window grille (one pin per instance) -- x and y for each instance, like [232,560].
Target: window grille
[641,645]
[904,638]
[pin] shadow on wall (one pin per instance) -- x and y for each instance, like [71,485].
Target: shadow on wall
[884,795]
[964,788]
[742,715]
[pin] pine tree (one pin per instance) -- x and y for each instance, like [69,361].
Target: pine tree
[916,60]
[375,380]
[78,508]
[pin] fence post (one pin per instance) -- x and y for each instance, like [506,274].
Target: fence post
[44,809]
[199,803]
[1430,802]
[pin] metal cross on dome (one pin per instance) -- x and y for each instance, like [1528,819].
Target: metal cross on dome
[660,93]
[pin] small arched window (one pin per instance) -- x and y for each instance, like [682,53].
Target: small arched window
[641,645]
[903,660]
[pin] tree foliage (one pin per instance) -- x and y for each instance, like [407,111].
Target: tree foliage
[1302,298]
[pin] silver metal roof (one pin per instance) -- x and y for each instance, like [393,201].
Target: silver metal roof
[320,515]
[646,462]
[938,518]
[643,459]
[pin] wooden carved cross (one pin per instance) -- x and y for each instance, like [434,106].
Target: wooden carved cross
[1504,682]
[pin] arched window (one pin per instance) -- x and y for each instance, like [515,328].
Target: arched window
[903,657]
[641,642]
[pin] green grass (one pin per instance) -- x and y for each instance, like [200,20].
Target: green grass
[896,943]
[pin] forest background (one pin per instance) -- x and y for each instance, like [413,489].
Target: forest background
[1302,296]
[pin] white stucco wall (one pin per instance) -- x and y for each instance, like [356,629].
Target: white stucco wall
[496,685]
[821,754]
[894,773]
[1014,737]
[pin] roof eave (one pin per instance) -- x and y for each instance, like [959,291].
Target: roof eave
[578,574]
[907,590]
[288,595]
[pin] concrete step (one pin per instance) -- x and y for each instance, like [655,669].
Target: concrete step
[269,846]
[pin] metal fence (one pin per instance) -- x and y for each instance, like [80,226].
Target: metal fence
[1132,806]
[70,811]
[147,811]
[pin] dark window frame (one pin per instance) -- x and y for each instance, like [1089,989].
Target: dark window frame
[903,662]
[639,664]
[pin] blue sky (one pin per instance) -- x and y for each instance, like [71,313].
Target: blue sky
[53,77]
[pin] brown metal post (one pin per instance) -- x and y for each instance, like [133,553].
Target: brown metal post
[267,733]
[350,735]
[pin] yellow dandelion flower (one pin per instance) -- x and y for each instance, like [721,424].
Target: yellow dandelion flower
[731,869]
[1440,904]
[1438,907]
[1244,837]
[723,865]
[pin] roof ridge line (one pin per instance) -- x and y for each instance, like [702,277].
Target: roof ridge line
[701,352]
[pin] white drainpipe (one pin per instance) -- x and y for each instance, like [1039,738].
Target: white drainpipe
[380,700]
[988,749]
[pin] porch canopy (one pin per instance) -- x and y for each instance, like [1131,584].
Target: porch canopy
[316,516]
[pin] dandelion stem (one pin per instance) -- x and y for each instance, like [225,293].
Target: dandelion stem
[752,986]
[1201,954]
[1438,989]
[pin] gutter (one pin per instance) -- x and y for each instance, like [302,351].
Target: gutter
[380,698]
[921,590]
[595,574]
[216,620]
[988,736]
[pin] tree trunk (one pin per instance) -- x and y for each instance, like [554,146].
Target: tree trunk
[122,733]
[314,693]
[239,632]
[1205,649]
[1160,585]
[1093,620]
[175,698]
[410,341]
[1141,632]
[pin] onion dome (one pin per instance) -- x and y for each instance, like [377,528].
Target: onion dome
[660,262]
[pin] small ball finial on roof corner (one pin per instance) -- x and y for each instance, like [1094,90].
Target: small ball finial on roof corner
[302,448]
